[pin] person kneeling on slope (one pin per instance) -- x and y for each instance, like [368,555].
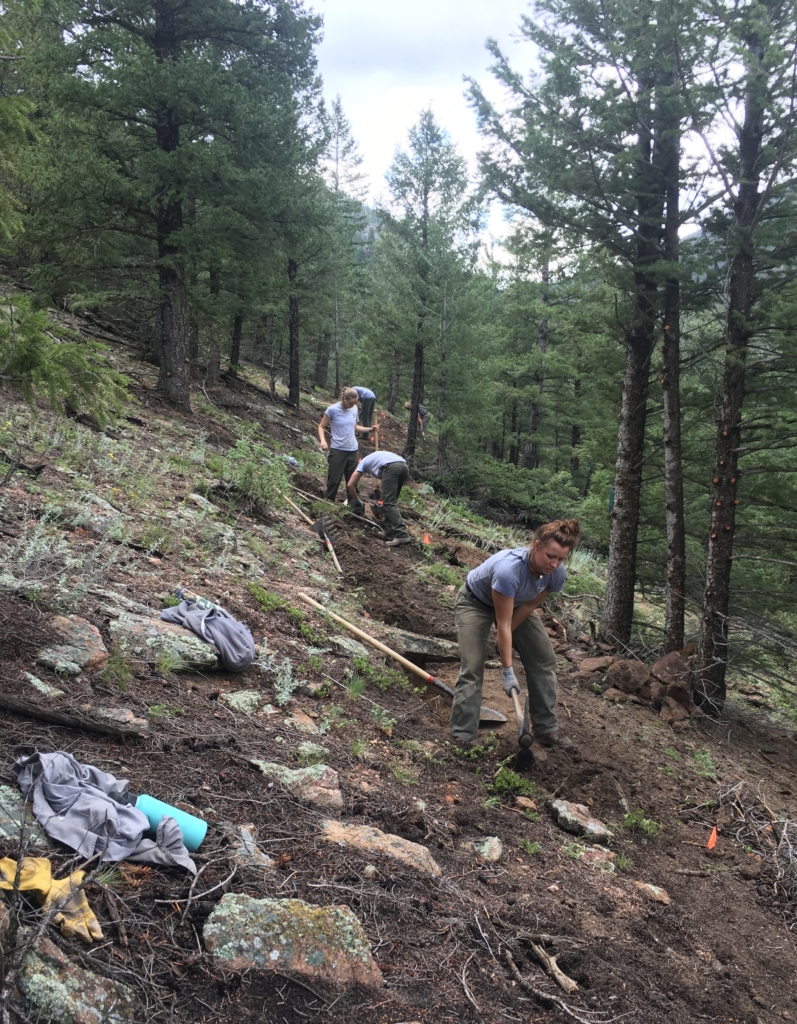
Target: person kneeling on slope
[505,590]
[393,471]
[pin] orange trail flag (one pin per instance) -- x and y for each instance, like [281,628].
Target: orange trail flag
[427,539]
[712,839]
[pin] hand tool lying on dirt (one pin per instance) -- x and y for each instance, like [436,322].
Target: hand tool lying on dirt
[525,758]
[485,714]
[314,497]
[322,528]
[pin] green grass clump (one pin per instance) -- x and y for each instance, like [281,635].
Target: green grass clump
[381,676]
[267,601]
[311,753]
[507,782]
[636,821]
[704,765]
[532,849]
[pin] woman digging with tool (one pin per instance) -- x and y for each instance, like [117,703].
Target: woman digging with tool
[393,471]
[505,590]
[341,419]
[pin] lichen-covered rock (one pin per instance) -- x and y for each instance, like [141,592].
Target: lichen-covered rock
[409,644]
[653,892]
[82,647]
[152,639]
[245,701]
[490,849]
[124,716]
[373,842]
[13,813]
[598,858]
[629,676]
[325,946]
[315,786]
[302,722]
[59,991]
[246,853]
[42,687]
[576,818]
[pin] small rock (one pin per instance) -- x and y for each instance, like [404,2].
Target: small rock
[150,639]
[629,676]
[653,892]
[370,871]
[553,888]
[575,655]
[82,647]
[576,818]
[124,716]
[42,687]
[325,946]
[304,723]
[613,694]
[525,803]
[598,858]
[751,870]
[490,849]
[246,852]
[672,712]
[245,701]
[352,646]
[373,841]
[58,990]
[203,503]
[14,814]
[595,664]
[314,688]
[674,672]
[315,786]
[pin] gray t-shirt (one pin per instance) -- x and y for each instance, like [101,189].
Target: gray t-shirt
[365,393]
[508,572]
[376,462]
[342,423]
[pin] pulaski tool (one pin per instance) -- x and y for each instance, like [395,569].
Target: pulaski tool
[485,714]
[524,759]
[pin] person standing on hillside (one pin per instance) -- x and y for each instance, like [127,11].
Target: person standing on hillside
[368,399]
[341,419]
[423,417]
[505,590]
[393,472]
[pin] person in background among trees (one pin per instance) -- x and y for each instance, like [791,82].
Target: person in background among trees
[505,590]
[368,399]
[423,417]
[341,419]
[393,472]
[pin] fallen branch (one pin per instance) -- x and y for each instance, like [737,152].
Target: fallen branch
[25,709]
[543,997]
[551,968]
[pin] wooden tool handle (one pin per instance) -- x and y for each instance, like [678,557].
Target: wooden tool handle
[296,508]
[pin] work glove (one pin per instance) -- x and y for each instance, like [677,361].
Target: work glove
[75,916]
[510,683]
[35,875]
[357,507]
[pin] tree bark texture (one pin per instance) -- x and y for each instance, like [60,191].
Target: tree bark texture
[174,380]
[235,341]
[395,379]
[293,335]
[675,588]
[321,373]
[712,655]
[415,401]
[618,608]
[531,452]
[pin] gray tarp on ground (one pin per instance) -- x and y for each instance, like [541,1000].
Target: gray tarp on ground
[216,626]
[90,811]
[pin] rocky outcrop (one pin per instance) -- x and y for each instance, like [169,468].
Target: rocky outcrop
[673,672]
[82,647]
[314,786]
[55,989]
[374,843]
[412,645]
[150,640]
[325,946]
[629,676]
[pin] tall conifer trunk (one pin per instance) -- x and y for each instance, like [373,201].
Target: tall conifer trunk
[293,335]
[174,380]
[712,655]
[395,378]
[321,373]
[531,453]
[618,609]
[235,341]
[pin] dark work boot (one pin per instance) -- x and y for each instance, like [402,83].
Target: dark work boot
[556,740]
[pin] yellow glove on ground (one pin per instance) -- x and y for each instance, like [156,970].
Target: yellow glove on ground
[75,916]
[35,875]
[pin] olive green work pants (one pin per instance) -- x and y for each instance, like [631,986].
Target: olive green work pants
[474,620]
[341,465]
[394,476]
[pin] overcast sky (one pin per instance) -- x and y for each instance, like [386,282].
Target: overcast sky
[390,60]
